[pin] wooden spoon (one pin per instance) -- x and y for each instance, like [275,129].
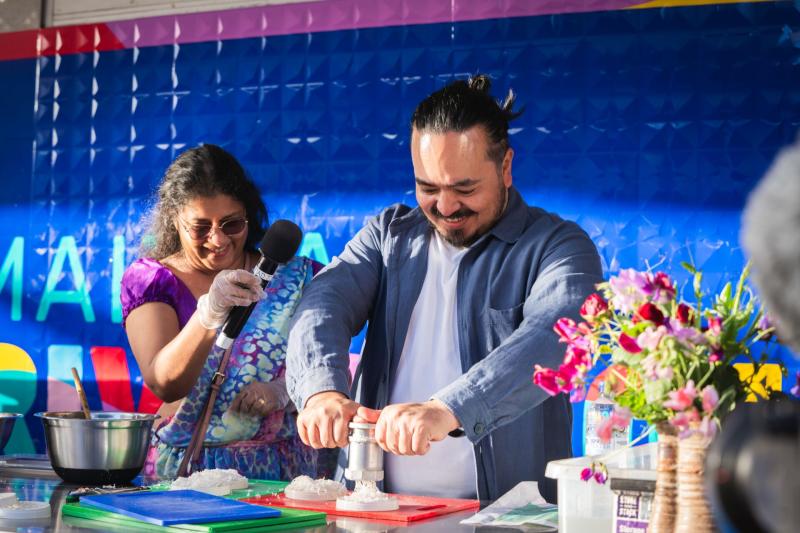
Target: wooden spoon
[81,394]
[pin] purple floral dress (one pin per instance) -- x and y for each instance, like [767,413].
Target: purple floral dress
[260,448]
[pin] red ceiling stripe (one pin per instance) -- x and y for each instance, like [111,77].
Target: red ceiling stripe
[51,41]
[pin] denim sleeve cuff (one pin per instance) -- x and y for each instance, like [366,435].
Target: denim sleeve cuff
[468,407]
[316,380]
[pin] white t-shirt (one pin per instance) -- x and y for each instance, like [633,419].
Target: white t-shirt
[430,360]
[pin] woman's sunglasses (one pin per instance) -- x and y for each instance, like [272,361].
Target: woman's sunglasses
[199,232]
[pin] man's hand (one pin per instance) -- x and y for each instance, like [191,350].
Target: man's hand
[323,422]
[409,428]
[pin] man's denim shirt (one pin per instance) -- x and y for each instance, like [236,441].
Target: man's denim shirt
[529,270]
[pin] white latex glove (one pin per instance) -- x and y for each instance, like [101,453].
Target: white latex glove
[261,399]
[229,288]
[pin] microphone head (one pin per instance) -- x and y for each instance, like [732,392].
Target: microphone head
[281,241]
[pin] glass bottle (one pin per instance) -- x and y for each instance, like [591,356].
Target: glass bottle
[594,414]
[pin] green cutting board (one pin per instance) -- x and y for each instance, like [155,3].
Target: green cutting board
[289,519]
[256,487]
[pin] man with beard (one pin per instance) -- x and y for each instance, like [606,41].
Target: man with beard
[461,295]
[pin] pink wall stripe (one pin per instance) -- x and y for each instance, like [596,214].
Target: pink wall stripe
[331,15]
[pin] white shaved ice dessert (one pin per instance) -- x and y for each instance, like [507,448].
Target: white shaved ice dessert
[305,488]
[217,481]
[367,497]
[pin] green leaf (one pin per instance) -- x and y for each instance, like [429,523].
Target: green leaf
[655,390]
[740,286]
[623,357]
[697,282]
[725,295]
[689,267]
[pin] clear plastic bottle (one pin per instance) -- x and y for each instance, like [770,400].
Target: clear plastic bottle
[594,413]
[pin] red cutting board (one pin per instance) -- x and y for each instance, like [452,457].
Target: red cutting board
[412,508]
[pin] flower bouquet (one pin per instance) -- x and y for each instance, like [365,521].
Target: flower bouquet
[674,358]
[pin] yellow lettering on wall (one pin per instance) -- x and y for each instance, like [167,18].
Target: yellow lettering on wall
[769,377]
[18,386]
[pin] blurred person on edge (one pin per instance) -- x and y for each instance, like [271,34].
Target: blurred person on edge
[771,236]
[195,264]
[753,472]
[461,294]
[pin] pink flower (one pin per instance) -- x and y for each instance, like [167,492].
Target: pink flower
[681,399]
[600,477]
[716,355]
[572,372]
[661,288]
[547,379]
[650,311]
[577,379]
[629,289]
[685,421]
[715,326]
[577,388]
[710,398]
[650,366]
[629,343]
[684,314]
[563,380]
[765,322]
[598,471]
[649,338]
[593,307]
[688,336]
[577,357]
[567,329]
[572,333]
[653,369]
[708,427]
[566,372]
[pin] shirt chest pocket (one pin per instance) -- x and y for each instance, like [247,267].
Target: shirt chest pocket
[501,323]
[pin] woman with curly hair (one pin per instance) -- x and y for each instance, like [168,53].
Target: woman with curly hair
[195,265]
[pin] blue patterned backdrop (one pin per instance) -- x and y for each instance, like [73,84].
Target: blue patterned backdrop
[648,127]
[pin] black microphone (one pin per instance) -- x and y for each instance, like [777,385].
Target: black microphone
[278,246]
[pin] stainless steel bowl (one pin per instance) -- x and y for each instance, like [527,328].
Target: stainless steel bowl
[6,426]
[109,448]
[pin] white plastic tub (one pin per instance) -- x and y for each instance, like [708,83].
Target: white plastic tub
[587,505]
